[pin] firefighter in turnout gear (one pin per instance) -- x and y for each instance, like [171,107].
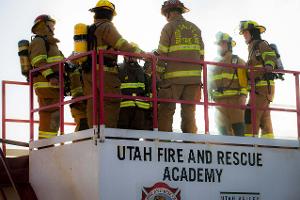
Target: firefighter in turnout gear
[106,37]
[44,50]
[179,39]
[133,83]
[263,58]
[228,86]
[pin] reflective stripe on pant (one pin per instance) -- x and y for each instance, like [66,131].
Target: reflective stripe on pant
[263,117]
[167,110]
[225,117]
[49,119]
[111,106]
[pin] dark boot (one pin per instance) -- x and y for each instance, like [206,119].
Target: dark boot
[83,125]
[223,130]
[238,129]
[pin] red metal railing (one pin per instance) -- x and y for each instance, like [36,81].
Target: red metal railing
[61,102]
[6,120]
[98,100]
[205,101]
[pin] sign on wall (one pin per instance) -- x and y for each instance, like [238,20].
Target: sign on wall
[152,171]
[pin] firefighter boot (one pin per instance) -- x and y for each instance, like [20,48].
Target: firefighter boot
[238,129]
[83,124]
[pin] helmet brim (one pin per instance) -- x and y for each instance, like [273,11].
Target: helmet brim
[233,43]
[96,8]
[261,29]
[185,10]
[33,28]
[164,11]
[35,25]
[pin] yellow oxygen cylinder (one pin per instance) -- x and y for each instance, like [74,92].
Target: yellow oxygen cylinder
[243,79]
[23,53]
[80,41]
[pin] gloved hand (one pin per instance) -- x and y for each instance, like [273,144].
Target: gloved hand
[268,68]
[269,76]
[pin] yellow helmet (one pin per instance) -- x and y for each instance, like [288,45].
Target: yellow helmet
[220,36]
[105,4]
[249,25]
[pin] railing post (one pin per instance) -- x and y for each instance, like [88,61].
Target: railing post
[297,103]
[154,94]
[253,101]
[61,97]
[205,93]
[31,105]
[94,87]
[101,86]
[3,117]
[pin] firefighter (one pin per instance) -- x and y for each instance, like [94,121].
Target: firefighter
[44,50]
[75,89]
[261,56]
[133,83]
[179,39]
[227,86]
[106,37]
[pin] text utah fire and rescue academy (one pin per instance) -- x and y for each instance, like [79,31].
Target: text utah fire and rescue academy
[181,158]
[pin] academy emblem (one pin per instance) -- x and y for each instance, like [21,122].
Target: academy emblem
[160,191]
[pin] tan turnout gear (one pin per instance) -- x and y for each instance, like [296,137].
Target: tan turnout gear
[264,89]
[180,39]
[107,37]
[261,56]
[44,50]
[225,88]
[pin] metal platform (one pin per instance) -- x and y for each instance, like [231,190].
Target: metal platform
[139,165]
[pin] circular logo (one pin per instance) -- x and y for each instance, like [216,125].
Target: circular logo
[161,191]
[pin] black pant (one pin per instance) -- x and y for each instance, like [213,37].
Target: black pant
[132,118]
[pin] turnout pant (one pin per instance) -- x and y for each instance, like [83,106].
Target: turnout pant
[132,118]
[166,110]
[263,98]
[230,121]
[111,106]
[49,119]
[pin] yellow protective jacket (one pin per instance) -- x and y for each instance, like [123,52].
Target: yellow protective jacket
[109,38]
[181,39]
[268,56]
[39,56]
[225,81]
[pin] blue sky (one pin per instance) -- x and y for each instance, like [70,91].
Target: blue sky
[140,21]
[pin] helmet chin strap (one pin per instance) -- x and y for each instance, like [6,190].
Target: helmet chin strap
[49,29]
[168,15]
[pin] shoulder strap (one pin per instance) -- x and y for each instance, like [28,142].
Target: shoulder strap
[45,41]
[92,39]
[257,52]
